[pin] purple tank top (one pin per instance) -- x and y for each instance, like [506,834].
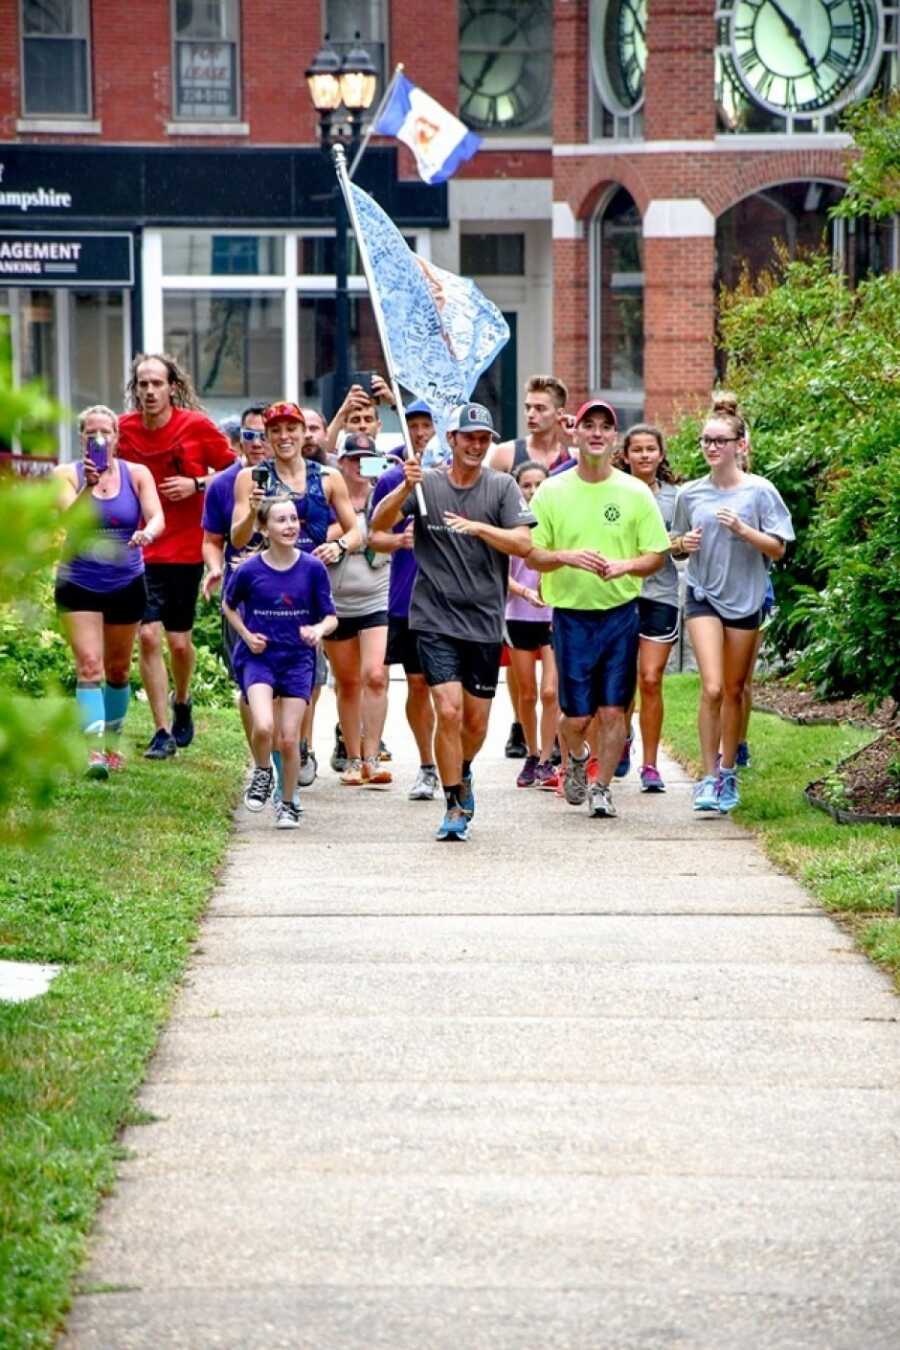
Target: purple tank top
[516,607]
[110,563]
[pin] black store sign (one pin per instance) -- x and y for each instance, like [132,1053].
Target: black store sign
[42,258]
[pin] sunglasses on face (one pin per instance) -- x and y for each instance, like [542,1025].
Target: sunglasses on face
[248,436]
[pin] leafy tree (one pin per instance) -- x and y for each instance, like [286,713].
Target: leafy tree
[38,736]
[874,171]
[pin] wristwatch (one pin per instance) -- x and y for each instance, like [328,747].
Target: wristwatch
[199,484]
[342,544]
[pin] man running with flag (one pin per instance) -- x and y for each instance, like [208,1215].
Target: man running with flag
[475,519]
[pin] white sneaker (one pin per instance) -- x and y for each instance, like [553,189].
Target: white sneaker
[600,802]
[287,817]
[259,789]
[424,789]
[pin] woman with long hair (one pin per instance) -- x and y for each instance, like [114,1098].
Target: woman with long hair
[100,593]
[730,525]
[643,455]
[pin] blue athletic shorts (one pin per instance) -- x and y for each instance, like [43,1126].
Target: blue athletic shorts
[596,656]
[290,673]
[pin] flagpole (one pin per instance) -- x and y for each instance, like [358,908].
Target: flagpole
[340,167]
[398,71]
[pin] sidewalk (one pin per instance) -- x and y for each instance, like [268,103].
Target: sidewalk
[585,1084]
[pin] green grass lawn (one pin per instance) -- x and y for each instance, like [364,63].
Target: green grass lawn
[848,868]
[112,894]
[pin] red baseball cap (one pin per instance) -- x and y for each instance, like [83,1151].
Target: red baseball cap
[277,412]
[599,405]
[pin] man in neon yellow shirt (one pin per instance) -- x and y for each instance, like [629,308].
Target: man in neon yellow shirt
[599,533]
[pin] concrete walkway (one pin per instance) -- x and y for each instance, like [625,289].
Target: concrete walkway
[581,1084]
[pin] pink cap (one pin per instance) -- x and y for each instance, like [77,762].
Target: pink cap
[599,405]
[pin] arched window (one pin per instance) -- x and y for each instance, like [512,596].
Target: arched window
[617,306]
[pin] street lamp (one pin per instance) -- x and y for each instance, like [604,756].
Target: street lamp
[334,85]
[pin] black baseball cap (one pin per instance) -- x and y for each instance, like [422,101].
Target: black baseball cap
[472,417]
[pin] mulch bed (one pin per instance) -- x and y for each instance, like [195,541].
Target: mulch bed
[871,794]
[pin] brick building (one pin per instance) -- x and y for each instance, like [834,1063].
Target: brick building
[161,183]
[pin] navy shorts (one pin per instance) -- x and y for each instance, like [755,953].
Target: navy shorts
[450,660]
[695,608]
[402,647]
[172,590]
[596,657]
[289,673]
[658,620]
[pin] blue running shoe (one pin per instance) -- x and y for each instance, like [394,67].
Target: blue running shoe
[624,765]
[467,797]
[742,758]
[727,791]
[454,826]
[706,797]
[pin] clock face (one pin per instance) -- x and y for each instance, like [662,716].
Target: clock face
[619,51]
[505,66]
[803,56]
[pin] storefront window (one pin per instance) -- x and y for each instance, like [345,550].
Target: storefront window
[206,60]
[55,58]
[317,352]
[618,302]
[96,357]
[350,23]
[230,341]
[201,253]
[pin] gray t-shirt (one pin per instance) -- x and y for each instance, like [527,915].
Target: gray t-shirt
[725,570]
[663,585]
[358,587]
[460,587]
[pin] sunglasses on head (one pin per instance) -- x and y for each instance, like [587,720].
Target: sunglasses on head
[250,436]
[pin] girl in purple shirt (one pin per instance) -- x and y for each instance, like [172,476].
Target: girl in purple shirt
[528,626]
[287,610]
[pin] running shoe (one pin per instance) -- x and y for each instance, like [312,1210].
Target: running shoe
[182,724]
[467,797]
[593,769]
[516,747]
[556,754]
[384,753]
[706,797]
[575,784]
[353,773]
[114,761]
[528,771]
[600,802]
[162,745]
[287,817]
[455,825]
[339,753]
[727,791]
[425,787]
[376,774]
[259,789]
[742,758]
[624,765]
[650,779]
[97,766]
[309,766]
[546,777]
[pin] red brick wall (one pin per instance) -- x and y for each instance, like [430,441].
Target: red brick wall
[678,102]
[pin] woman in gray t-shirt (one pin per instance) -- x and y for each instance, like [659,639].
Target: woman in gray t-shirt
[643,455]
[732,526]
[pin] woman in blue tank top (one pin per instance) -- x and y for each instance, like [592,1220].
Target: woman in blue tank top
[100,593]
[318,497]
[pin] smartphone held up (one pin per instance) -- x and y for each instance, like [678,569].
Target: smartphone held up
[97,451]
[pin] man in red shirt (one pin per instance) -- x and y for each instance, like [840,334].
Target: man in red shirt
[181,447]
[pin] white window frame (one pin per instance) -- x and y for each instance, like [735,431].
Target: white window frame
[76,117]
[199,116]
[291,284]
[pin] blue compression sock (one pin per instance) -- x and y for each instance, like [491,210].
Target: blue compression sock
[91,712]
[116,698]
